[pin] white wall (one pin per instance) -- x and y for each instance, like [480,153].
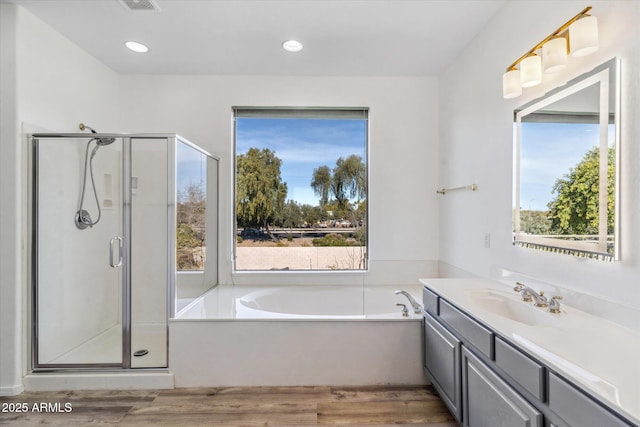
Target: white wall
[476,147]
[48,83]
[403,154]
[10,302]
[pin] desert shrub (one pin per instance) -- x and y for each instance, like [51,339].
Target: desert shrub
[331,240]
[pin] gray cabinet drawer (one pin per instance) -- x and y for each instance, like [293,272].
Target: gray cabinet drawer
[491,402]
[471,331]
[442,363]
[523,370]
[577,409]
[430,301]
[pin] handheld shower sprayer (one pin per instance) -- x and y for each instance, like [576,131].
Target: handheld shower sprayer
[82,218]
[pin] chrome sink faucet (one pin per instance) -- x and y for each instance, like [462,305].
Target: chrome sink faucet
[529,295]
[417,308]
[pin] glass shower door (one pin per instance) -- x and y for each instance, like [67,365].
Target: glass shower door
[79,251]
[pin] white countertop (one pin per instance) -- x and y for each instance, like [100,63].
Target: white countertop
[600,356]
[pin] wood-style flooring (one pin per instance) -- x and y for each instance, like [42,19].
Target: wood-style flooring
[232,406]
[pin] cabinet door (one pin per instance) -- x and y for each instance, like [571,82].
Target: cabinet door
[489,401]
[575,408]
[442,363]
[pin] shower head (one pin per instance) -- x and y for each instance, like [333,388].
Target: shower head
[104,141]
[99,141]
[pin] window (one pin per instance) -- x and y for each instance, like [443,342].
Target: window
[191,209]
[301,189]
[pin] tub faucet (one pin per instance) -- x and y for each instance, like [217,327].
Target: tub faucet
[417,308]
[405,310]
[529,295]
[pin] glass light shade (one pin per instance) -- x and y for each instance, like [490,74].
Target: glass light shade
[531,71]
[583,36]
[554,55]
[511,84]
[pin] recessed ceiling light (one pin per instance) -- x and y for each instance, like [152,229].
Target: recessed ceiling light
[292,46]
[137,47]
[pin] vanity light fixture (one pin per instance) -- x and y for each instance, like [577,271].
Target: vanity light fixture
[577,37]
[583,36]
[292,46]
[531,71]
[554,55]
[137,47]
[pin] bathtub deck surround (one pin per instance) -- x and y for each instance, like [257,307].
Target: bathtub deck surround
[297,335]
[581,358]
[281,406]
[318,302]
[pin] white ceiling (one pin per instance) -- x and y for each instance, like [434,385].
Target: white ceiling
[243,37]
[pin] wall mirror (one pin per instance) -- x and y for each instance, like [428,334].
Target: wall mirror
[566,168]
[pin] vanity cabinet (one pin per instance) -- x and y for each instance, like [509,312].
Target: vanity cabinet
[486,380]
[574,407]
[442,363]
[520,369]
[474,333]
[489,401]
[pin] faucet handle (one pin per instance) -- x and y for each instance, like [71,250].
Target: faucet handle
[518,287]
[541,301]
[554,305]
[405,310]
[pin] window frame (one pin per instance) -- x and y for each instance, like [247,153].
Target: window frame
[300,112]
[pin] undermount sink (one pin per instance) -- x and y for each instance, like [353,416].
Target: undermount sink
[511,307]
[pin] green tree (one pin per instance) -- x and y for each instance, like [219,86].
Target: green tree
[321,183]
[346,181]
[260,192]
[534,222]
[291,215]
[575,207]
[313,214]
[191,232]
[187,242]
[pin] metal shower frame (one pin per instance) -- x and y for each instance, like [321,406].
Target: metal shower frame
[172,141]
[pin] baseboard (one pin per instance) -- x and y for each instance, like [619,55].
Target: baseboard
[11,391]
[98,381]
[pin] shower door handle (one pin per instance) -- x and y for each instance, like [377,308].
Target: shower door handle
[111,242]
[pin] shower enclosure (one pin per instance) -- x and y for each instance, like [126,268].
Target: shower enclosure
[103,244]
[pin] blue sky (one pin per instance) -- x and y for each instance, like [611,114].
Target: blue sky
[548,152]
[191,167]
[302,145]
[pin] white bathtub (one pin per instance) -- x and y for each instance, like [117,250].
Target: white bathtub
[297,335]
[302,302]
